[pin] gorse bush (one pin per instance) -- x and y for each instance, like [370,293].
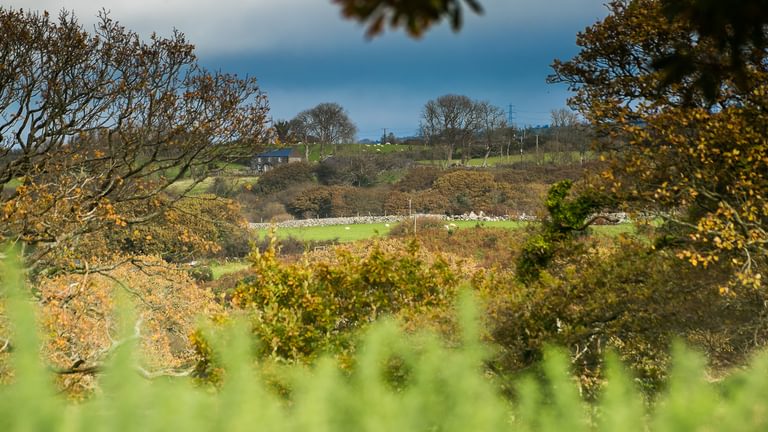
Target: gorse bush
[442,389]
[301,310]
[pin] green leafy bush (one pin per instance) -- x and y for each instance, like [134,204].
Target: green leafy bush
[201,273]
[301,310]
[567,217]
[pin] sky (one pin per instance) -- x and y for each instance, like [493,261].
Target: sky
[303,53]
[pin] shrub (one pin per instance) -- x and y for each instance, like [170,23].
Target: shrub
[274,212]
[465,191]
[627,297]
[224,187]
[399,203]
[315,202]
[284,176]
[201,273]
[291,246]
[338,201]
[418,178]
[301,310]
[360,201]
[422,224]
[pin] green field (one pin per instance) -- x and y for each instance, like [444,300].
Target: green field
[355,232]
[220,269]
[341,233]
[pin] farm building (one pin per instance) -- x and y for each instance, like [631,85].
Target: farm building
[264,162]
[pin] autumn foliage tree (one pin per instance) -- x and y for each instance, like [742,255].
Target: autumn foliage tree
[698,158]
[96,125]
[80,316]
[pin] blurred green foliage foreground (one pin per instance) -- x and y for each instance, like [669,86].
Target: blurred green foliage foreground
[399,383]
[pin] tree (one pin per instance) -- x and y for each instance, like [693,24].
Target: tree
[453,121]
[492,126]
[735,30]
[80,316]
[328,122]
[285,131]
[564,123]
[416,16]
[698,160]
[300,127]
[96,126]
[564,118]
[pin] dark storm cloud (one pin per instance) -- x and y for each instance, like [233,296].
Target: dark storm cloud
[303,53]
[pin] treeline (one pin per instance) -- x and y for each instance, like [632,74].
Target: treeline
[392,184]
[453,128]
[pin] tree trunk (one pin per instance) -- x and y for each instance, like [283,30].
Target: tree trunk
[487,153]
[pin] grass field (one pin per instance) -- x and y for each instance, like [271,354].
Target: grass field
[220,269]
[355,232]
[182,185]
[341,233]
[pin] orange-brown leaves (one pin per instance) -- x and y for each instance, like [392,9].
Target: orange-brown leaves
[78,316]
[698,160]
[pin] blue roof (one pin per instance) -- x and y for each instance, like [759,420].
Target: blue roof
[276,153]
